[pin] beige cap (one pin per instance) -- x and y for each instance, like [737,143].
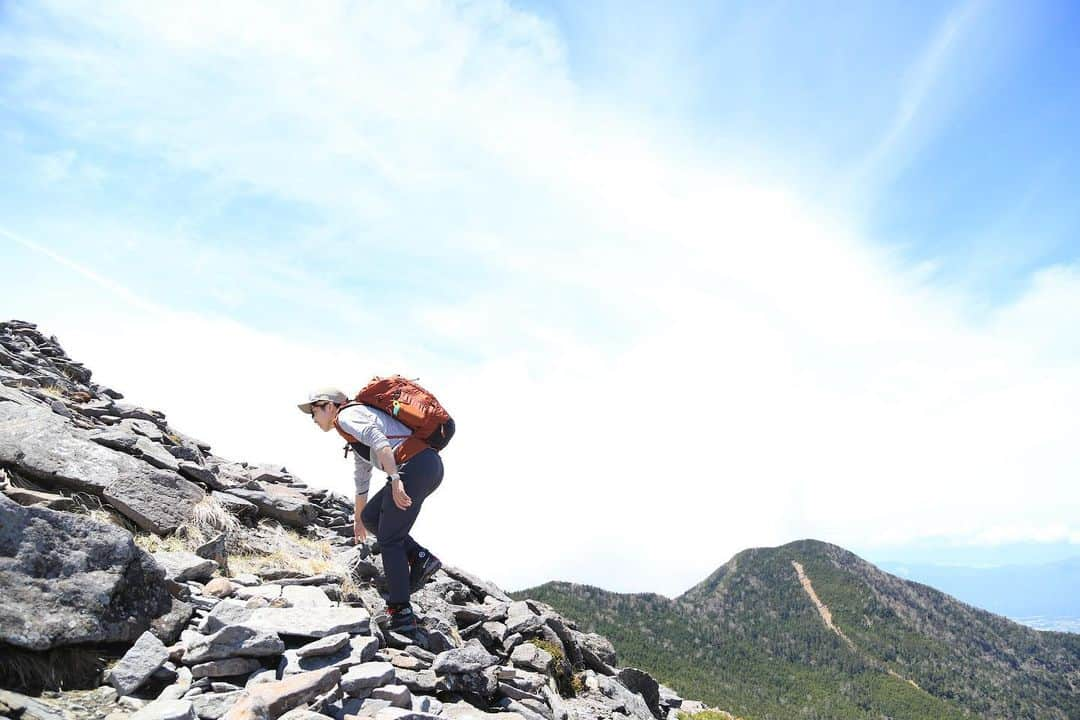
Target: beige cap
[326,394]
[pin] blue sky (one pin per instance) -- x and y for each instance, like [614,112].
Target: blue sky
[853,222]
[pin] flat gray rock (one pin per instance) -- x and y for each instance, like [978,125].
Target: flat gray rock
[211,706]
[359,649]
[530,656]
[68,579]
[305,596]
[14,705]
[226,667]
[166,710]
[233,641]
[138,664]
[472,657]
[396,695]
[226,612]
[160,505]
[324,646]
[367,676]
[286,508]
[48,448]
[311,622]
[180,566]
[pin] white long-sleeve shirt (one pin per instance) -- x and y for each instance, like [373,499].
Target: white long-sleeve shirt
[372,427]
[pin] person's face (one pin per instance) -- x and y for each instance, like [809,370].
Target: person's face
[323,415]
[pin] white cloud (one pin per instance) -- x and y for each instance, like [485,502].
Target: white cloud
[698,362]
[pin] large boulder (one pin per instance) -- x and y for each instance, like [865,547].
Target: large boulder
[44,446]
[69,579]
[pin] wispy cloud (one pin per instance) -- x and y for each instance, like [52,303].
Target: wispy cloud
[639,343]
[900,136]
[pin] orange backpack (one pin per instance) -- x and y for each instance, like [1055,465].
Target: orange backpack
[412,406]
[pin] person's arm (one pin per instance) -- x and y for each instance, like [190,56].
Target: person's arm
[362,480]
[385,455]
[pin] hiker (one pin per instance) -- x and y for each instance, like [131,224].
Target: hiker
[374,437]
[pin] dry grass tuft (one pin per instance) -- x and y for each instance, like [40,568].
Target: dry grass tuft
[209,518]
[60,668]
[292,551]
[91,505]
[53,391]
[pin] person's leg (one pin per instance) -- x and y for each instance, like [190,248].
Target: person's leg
[420,476]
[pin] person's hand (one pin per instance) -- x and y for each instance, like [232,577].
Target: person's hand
[401,498]
[359,532]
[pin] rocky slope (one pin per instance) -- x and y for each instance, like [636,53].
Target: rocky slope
[146,577]
[809,629]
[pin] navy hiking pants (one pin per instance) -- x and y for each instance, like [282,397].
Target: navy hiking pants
[421,475]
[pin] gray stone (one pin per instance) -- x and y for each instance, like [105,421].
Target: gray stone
[311,622]
[289,509]
[68,579]
[523,624]
[426,704]
[625,701]
[226,667]
[366,676]
[200,474]
[20,707]
[324,646]
[33,497]
[303,596]
[169,626]
[465,711]
[47,448]
[180,566]
[156,455]
[226,612]
[396,695]
[263,676]
[480,587]
[472,657]
[525,711]
[233,641]
[303,714]
[214,549]
[145,428]
[642,683]
[530,656]
[272,699]
[422,682]
[269,592]
[599,645]
[166,710]
[360,649]
[395,713]
[160,505]
[140,661]
[211,706]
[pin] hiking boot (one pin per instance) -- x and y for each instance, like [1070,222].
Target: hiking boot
[421,571]
[402,620]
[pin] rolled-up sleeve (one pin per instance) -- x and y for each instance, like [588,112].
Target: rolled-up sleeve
[361,475]
[364,428]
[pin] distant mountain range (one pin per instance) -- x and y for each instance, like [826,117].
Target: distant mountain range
[809,630]
[1045,596]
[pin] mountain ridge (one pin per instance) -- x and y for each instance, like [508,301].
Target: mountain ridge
[954,659]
